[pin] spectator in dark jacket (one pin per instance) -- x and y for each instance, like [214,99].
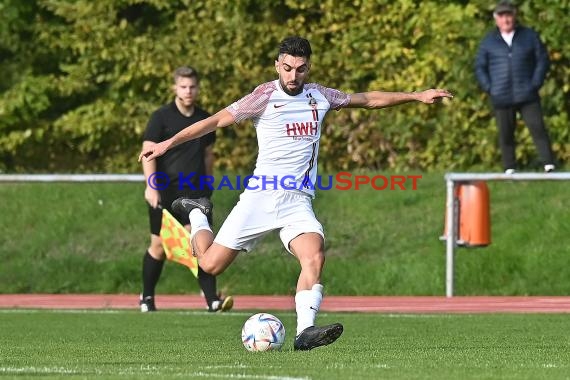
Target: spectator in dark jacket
[511,66]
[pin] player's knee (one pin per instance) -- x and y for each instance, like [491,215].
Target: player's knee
[314,259]
[211,267]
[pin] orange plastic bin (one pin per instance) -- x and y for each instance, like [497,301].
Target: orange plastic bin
[473,208]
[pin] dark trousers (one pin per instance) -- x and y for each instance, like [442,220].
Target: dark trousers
[532,116]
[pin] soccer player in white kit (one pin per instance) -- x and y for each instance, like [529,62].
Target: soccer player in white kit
[287,114]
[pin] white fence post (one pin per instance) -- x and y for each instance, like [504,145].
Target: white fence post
[451,236]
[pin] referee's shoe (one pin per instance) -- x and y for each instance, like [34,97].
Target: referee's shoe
[147,304]
[223,304]
[183,206]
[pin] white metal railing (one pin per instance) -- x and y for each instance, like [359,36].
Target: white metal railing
[451,180]
[71,178]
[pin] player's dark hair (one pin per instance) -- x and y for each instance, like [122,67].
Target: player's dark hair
[296,47]
[186,72]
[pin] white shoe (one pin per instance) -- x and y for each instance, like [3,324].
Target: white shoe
[510,171]
[549,168]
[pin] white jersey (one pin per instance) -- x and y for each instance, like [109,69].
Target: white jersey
[288,132]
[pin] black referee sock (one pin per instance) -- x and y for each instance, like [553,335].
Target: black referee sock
[208,284]
[152,268]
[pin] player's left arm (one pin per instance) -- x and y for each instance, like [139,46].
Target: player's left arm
[380,99]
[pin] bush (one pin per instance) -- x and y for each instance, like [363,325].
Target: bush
[81,78]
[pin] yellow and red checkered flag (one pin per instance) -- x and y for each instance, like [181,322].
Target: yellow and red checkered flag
[176,242]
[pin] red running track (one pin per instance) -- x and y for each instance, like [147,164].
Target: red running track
[368,304]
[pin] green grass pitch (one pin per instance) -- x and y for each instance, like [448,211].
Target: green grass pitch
[197,345]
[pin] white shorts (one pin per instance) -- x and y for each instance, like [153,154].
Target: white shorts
[259,212]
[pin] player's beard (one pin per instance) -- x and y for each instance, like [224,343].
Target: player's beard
[297,91]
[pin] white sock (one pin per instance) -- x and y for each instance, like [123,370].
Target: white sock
[307,304]
[198,221]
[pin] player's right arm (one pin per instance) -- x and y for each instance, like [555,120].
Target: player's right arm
[221,119]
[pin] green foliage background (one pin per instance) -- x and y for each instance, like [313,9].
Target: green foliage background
[80,78]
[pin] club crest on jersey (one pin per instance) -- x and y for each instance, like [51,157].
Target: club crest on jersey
[312,101]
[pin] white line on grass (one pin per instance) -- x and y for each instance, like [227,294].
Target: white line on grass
[19,311]
[418,315]
[129,311]
[44,370]
[61,311]
[244,376]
